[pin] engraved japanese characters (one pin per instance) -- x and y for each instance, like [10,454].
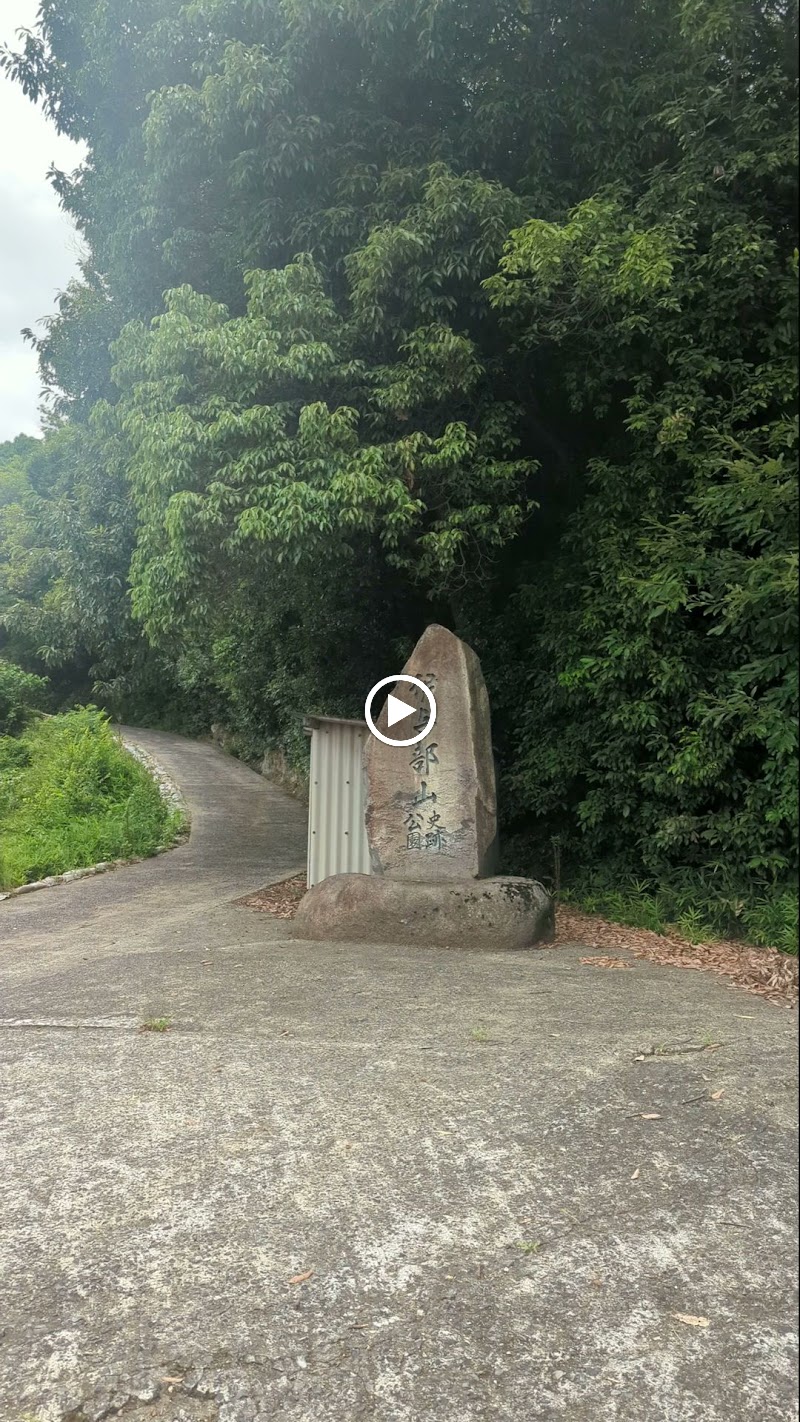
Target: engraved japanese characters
[431,808]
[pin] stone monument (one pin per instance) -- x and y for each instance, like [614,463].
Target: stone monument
[431,820]
[432,808]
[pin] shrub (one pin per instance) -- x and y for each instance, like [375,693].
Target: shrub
[21,693]
[71,795]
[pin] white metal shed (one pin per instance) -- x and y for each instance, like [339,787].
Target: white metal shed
[337,837]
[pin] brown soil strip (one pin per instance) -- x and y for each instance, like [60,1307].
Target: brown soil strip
[763,971]
[280,900]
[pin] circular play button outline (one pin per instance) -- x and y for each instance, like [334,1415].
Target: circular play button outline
[390,681]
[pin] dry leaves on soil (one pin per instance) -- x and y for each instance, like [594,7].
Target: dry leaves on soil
[280,900]
[763,971]
[695,1320]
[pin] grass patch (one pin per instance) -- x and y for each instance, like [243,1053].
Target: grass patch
[156,1024]
[71,796]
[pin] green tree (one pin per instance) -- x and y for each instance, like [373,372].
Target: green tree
[668,722]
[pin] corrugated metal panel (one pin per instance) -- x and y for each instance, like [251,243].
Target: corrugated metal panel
[337,838]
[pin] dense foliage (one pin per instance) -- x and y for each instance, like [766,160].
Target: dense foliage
[21,694]
[71,796]
[479,312]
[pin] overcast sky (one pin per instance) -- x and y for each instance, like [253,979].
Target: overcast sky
[39,247]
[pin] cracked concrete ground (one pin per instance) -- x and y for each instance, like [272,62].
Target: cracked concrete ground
[374,1182]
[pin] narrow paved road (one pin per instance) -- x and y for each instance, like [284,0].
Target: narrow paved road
[372,1183]
[245,834]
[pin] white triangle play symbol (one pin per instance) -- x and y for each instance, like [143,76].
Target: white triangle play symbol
[398,710]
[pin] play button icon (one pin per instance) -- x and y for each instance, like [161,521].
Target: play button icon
[423,708]
[397,709]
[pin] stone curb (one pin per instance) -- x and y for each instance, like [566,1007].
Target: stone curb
[169,790]
[169,793]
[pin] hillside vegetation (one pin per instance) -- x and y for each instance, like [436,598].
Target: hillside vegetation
[71,796]
[464,310]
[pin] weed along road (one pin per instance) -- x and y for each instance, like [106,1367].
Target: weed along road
[340,1182]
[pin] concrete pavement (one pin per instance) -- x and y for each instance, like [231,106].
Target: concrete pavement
[367,1182]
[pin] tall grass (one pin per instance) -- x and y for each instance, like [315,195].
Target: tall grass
[70,796]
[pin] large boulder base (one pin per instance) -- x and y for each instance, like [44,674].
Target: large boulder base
[503,913]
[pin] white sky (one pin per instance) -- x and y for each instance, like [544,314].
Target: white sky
[39,246]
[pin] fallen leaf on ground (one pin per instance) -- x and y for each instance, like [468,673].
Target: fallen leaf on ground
[695,1320]
[717,1095]
[172,1380]
[604,962]
[635,1175]
[301,1278]
[651,1115]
